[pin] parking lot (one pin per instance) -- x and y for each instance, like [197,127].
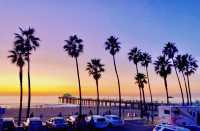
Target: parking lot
[130,125]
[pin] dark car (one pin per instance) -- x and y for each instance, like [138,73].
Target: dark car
[33,124]
[8,124]
[56,123]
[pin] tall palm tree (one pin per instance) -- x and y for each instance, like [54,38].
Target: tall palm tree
[146,60]
[141,80]
[190,68]
[31,43]
[74,48]
[180,63]
[113,46]
[163,68]
[95,68]
[135,56]
[170,50]
[17,57]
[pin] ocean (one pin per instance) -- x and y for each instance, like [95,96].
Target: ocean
[13,101]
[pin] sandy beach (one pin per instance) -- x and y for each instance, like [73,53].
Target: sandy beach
[48,111]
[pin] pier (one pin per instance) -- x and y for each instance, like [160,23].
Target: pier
[126,104]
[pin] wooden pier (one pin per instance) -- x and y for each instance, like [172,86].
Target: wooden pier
[126,104]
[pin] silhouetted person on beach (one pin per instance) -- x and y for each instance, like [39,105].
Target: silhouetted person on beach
[90,113]
[41,116]
[60,114]
[109,112]
[31,115]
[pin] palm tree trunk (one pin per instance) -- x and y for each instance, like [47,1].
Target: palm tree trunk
[183,102]
[149,85]
[144,101]
[190,96]
[186,89]
[21,94]
[79,84]
[141,109]
[29,90]
[165,81]
[138,85]
[150,91]
[119,89]
[97,84]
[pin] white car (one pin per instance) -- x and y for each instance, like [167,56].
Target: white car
[33,123]
[97,121]
[71,119]
[114,120]
[56,122]
[168,127]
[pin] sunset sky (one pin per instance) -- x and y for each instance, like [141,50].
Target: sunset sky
[147,24]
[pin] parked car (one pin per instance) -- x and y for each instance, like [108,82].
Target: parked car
[33,124]
[56,122]
[168,127]
[114,120]
[97,121]
[8,124]
[71,120]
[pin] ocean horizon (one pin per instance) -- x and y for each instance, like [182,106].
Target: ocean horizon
[13,101]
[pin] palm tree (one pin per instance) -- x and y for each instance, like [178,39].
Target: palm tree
[17,57]
[146,60]
[141,80]
[31,43]
[190,68]
[95,68]
[74,47]
[113,46]
[135,56]
[180,63]
[163,68]
[170,51]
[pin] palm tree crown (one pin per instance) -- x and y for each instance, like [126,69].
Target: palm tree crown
[74,46]
[190,64]
[16,57]
[17,54]
[146,59]
[95,68]
[141,79]
[186,63]
[135,55]
[180,62]
[162,66]
[112,45]
[170,50]
[31,42]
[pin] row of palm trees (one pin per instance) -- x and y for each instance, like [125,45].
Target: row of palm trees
[26,42]
[185,64]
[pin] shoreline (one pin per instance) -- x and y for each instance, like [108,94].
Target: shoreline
[46,112]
